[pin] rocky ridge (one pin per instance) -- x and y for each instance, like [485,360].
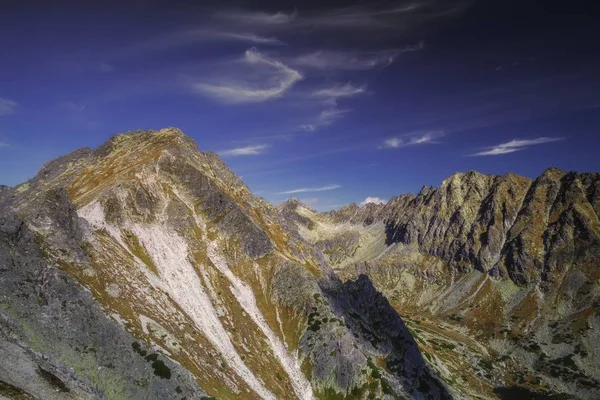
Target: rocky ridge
[146,269]
[508,261]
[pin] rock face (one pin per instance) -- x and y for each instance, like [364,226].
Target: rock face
[506,266]
[146,269]
[531,231]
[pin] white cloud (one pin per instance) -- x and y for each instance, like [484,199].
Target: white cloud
[356,61]
[258,18]
[3,144]
[515,145]
[7,106]
[347,90]
[305,190]
[400,18]
[248,37]
[411,140]
[331,94]
[374,200]
[309,127]
[279,80]
[191,36]
[245,151]
[412,14]
[325,118]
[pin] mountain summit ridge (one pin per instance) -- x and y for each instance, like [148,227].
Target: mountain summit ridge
[208,291]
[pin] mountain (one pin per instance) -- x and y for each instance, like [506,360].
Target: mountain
[145,269]
[496,276]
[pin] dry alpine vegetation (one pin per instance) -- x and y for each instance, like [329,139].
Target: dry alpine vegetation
[146,269]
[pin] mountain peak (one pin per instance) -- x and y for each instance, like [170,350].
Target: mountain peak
[166,137]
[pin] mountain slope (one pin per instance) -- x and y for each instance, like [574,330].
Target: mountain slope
[146,269]
[509,262]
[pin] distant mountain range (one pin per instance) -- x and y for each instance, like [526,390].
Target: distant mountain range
[146,269]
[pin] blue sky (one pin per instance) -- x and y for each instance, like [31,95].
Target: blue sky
[330,102]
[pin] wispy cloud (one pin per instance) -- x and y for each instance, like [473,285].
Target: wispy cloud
[230,90]
[188,37]
[3,144]
[412,140]
[248,37]
[7,106]
[317,189]
[325,118]
[373,200]
[413,13]
[245,151]
[258,18]
[331,94]
[408,15]
[353,61]
[346,90]
[515,145]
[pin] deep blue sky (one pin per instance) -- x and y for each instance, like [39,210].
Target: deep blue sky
[360,99]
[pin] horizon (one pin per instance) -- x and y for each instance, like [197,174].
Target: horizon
[333,103]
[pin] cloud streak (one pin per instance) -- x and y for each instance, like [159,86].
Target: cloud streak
[331,94]
[258,18]
[245,151]
[7,106]
[515,145]
[408,15]
[412,140]
[192,36]
[325,118]
[305,190]
[279,80]
[328,60]
[247,37]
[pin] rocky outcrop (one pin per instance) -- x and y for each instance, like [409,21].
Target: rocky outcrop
[56,340]
[509,225]
[372,320]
